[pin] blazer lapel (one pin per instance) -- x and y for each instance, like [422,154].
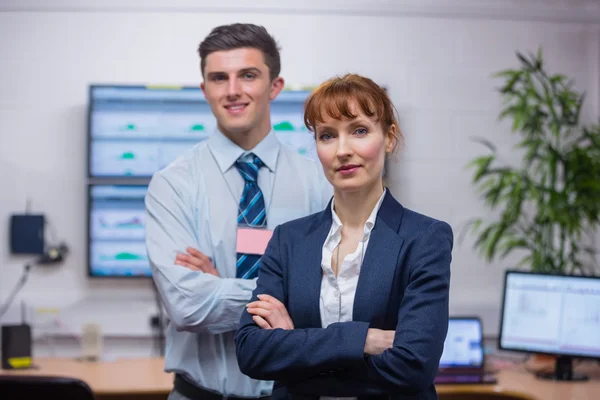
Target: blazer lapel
[306,279]
[379,265]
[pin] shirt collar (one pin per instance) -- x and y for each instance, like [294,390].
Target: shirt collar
[227,152]
[336,226]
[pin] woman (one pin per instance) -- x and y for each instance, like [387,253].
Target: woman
[352,301]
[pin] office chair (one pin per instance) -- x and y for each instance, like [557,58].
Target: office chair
[21,387]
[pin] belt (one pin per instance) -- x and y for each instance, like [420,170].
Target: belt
[194,392]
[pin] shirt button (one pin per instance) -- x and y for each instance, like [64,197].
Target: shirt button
[337,293]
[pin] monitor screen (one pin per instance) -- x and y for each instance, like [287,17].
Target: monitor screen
[554,314]
[287,118]
[135,131]
[463,346]
[117,246]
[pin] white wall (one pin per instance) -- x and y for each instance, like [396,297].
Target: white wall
[436,58]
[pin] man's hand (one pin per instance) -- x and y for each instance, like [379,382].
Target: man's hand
[196,261]
[378,341]
[270,313]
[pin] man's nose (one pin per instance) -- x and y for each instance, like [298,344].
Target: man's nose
[233,89]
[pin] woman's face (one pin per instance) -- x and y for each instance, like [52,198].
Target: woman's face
[352,151]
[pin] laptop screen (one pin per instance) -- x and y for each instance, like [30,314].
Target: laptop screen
[463,347]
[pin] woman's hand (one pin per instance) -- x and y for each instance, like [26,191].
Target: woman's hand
[378,341]
[270,313]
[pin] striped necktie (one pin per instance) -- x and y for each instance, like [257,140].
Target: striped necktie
[251,212]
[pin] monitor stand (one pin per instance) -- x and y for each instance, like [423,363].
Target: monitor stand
[563,371]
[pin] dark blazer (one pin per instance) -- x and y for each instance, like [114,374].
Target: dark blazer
[403,285]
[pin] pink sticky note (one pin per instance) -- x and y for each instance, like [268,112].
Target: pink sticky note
[252,240]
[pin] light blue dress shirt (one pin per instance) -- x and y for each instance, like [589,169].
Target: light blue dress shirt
[194,202]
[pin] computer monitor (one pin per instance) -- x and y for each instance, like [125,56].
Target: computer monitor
[116,234]
[463,347]
[134,131]
[551,314]
[287,118]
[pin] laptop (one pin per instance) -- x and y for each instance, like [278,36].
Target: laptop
[463,360]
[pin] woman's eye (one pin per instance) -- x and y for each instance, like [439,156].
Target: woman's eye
[361,131]
[325,136]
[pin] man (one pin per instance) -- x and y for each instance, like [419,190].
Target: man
[219,202]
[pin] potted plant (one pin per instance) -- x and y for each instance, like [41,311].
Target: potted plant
[549,206]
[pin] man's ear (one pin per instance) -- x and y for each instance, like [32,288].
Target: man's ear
[276,87]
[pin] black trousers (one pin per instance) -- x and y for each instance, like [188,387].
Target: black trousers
[193,392]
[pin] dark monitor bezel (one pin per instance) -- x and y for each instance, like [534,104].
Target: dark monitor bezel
[501,325]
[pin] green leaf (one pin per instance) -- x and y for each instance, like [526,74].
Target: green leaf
[485,142]
[506,73]
[511,245]
[481,165]
[526,261]
[525,62]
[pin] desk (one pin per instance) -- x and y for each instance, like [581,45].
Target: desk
[121,379]
[517,380]
[145,379]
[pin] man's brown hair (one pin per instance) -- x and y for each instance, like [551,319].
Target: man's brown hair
[236,36]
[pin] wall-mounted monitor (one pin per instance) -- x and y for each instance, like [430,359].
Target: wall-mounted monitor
[134,131]
[116,234]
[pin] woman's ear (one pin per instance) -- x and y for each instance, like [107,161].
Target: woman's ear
[391,139]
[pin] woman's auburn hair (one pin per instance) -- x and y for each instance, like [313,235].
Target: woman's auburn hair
[337,97]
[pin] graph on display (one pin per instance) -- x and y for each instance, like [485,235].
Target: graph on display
[152,124]
[117,221]
[291,132]
[136,131]
[302,143]
[288,126]
[287,118]
[135,158]
[552,314]
[581,323]
[123,255]
[530,309]
[119,259]
[135,223]
[117,224]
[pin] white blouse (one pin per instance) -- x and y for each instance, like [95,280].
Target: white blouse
[337,294]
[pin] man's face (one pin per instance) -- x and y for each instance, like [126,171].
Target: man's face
[239,90]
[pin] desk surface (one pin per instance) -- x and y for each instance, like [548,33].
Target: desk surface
[124,376]
[146,376]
